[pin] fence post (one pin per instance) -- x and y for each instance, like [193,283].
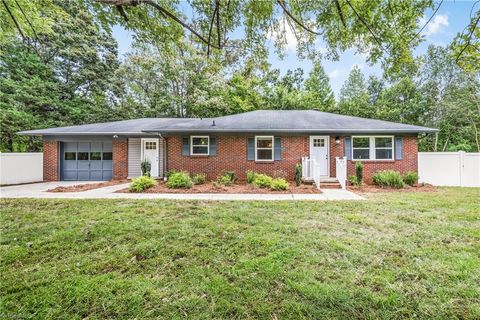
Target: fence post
[461,158]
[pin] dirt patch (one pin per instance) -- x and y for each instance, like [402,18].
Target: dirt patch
[424,187]
[86,186]
[236,188]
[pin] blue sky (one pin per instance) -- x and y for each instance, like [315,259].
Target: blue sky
[450,19]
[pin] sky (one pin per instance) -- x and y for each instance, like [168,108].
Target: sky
[451,18]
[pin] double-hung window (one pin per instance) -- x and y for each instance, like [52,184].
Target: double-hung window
[372,148]
[199,145]
[263,148]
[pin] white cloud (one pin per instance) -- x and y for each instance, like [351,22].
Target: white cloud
[436,25]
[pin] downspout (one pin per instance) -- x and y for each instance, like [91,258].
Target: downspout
[164,152]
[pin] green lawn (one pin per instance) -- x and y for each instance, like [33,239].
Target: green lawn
[398,255]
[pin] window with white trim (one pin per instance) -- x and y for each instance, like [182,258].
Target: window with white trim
[199,145]
[372,148]
[264,148]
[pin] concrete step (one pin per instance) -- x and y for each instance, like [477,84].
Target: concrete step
[330,185]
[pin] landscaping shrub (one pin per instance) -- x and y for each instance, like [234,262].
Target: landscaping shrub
[298,174]
[251,175]
[227,178]
[199,178]
[142,183]
[353,180]
[262,181]
[279,184]
[410,178]
[359,172]
[170,172]
[146,168]
[388,178]
[179,180]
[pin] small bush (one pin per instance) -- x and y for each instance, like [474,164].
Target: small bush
[251,175]
[179,180]
[146,168]
[227,178]
[279,184]
[353,180]
[410,178]
[170,172]
[298,174]
[388,178]
[142,183]
[262,181]
[359,172]
[199,178]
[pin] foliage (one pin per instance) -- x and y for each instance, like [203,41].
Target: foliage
[125,243]
[298,174]
[262,181]
[251,175]
[199,178]
[279,184]
[353,180]
[142,183]
[388,178]
[464,48]
[227,178]
[410,178]
[359,172]
[178,180]
[146,167]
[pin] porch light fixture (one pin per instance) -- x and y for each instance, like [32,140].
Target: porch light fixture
[115,136]
[337,140]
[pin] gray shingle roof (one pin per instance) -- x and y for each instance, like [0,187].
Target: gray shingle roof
[281,121]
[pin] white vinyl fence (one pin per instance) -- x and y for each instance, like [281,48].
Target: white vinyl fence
[18,168]
[449,168]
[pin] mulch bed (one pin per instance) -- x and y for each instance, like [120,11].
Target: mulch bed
[87,186]
[366,188]
[238,187]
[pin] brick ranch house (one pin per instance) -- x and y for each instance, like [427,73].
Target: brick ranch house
[266,141]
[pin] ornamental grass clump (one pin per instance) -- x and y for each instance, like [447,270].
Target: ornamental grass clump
[142,183]
[179,180]
[388,178]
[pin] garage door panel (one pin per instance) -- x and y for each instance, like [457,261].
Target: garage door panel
[70,175]
[87,160]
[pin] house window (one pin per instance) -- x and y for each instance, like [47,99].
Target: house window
[95,156]
[199,145]
[372,148]
[383,148]
[264,148]
[107,156]
[70,156]
[83,156]
[150,145]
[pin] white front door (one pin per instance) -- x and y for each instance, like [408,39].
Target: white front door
[319,150]
[150,152]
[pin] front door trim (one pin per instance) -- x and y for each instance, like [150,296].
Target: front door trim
[327,145]
[155,170]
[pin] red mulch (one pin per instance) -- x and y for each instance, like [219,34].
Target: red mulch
[367,188]
[239,187]
[87,186]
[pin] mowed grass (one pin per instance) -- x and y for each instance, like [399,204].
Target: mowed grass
[398,255]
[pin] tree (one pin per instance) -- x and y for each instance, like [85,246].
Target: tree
[353,99]
[318,93]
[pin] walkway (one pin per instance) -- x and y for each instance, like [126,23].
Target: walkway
[38,190]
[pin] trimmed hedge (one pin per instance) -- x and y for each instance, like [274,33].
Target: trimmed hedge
[142,183]
[388,178]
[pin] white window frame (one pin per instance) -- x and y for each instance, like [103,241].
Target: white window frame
[272,148]
[372,148]
[199,145]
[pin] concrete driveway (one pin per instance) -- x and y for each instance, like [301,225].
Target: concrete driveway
[39,190]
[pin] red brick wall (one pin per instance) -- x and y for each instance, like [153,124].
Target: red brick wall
[232,156]
[50,161]
[408,163]
[120,159]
